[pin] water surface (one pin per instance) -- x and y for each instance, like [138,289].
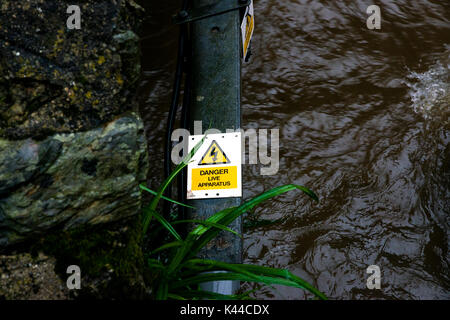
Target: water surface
[364,122]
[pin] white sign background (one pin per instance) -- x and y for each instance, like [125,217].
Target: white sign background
[231,145]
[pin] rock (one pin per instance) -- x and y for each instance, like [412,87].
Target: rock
[33,278]
[55,80]
[20,162]
[72,147]
[71,180]
[72,151]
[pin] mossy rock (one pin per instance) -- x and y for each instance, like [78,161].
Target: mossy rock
[71,180]
[110,259]
[54,79]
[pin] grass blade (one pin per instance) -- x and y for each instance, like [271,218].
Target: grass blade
[163,291]
[167,246]
[155,264]
[209,224]
[267,279]
[175,297]
[167,225]
[213,219]
[189,242]
[166,183]
[224,276]
[225,217]
[181,254]
[165,198]
[256,270]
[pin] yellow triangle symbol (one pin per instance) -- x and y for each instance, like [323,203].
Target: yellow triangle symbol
[214,155]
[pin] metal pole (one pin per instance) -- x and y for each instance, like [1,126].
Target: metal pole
[216,100]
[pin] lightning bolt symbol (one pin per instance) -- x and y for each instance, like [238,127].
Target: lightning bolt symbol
[213,154]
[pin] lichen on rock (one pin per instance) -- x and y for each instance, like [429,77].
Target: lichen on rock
[72,179]
[72,146]
[53,79]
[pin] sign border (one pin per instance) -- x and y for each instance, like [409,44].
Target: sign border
[231,142]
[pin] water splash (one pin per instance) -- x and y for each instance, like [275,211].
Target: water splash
[429,91]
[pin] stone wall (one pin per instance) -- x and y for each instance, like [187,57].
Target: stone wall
[71,148]
[72,145]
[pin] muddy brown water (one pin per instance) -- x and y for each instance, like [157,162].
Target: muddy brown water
[364,121]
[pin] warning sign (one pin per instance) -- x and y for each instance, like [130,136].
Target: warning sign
[247,27]
[214,178]
[215,169]
[214,155]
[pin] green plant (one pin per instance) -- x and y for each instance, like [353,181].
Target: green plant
[181,276]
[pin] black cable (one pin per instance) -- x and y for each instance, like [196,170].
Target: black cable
[182,180]
[174,105]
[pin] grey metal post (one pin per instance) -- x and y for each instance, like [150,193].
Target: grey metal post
[216,101]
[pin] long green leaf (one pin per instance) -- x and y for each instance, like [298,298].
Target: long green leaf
[202,235]
[225,217]
[180,254]
[216,265]
[156,264]
[163,291]
[165,184]
[209,224]
[167,246]
[269,280]
[213,219]
[167,225]
[189,242]
[165,198]
[196,266]
[257,270]
[147,217]
[224,276]
[175,296]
